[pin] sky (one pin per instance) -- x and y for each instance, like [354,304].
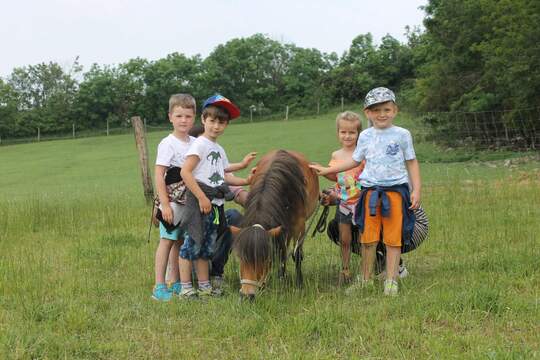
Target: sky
[114,31]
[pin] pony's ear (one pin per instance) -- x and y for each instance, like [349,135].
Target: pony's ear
[275,231]
[234,230]
[253,170]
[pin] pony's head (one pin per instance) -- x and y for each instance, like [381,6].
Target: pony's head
[253,248]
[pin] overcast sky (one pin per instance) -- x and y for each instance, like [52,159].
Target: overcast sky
[114,31]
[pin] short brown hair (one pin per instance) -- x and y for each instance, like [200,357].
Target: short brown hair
[183,100]
[349,116]
[216,112]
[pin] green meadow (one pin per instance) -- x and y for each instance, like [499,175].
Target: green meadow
[76,270]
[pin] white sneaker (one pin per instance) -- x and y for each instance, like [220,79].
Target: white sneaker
[390,287]
[403,272]
[188,294]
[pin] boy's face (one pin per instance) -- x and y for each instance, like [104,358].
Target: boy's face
[382,115]
[182,119]
[347,133]
[214,127]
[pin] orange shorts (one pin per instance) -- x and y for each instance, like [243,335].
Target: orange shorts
[391,226]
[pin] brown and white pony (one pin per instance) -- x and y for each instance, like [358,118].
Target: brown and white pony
[283,195]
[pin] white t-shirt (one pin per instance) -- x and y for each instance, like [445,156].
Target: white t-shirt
[385,152]
[212,163]
[172,151]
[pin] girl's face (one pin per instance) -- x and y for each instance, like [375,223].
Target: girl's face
[347,133]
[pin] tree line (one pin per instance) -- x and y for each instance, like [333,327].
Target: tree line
[471,55]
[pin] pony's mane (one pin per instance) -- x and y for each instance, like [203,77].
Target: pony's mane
[278,192]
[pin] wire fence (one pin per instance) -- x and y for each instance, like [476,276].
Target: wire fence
[515,129]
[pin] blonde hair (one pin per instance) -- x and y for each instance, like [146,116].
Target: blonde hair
[349,116]
[183,100]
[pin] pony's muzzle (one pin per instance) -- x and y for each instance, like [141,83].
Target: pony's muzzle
[247,297]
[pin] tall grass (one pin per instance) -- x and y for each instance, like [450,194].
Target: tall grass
[76,270]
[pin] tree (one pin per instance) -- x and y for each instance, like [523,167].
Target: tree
[8,111]
[305,77]
[249,71]
[174,74]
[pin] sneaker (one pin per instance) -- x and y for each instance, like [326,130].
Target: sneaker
[188,294]
[217,285]
[360,284]
[403,272]
[206,292]
[390,287]
[175,288]
[161,293]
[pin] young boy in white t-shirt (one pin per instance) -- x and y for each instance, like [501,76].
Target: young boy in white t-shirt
[170,159]
[204,171]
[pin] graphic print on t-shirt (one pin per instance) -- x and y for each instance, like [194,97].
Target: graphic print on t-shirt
[215,178]
[392,148]
[215,157]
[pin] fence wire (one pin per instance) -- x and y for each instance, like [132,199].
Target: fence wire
[516,129]
[492,129]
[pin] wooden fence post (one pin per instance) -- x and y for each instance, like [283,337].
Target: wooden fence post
[342,103]
[73,128]
[108,126]
[38,134]
[287,113]
[142,147]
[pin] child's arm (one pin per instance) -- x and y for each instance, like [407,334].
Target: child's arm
[344,166]
[414,176]
[243,164]
[236,181]
[187,174]
[166,210]
[332,176]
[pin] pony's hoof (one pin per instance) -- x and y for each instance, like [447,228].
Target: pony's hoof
[344,277]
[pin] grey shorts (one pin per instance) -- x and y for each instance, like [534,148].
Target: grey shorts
[343,218]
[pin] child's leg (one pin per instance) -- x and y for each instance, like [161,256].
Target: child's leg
[201,265]
[370,237]
[393,254]
[345,239]
[185,270]
[162,255]
[174,275]
[368,259]
[392,233]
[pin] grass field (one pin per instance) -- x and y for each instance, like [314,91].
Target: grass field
[76,271]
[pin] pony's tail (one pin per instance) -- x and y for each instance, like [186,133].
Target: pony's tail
[252,246]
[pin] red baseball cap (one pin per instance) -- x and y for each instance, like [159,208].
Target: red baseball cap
[222,101]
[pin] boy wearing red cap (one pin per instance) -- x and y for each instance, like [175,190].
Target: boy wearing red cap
[204,175]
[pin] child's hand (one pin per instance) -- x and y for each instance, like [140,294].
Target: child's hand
[321,170]
[205,205]
[328,197]
[415,200]
[248,159]
[167,213]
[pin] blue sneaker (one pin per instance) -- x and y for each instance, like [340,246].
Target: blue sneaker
[175,288]
[161,293]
